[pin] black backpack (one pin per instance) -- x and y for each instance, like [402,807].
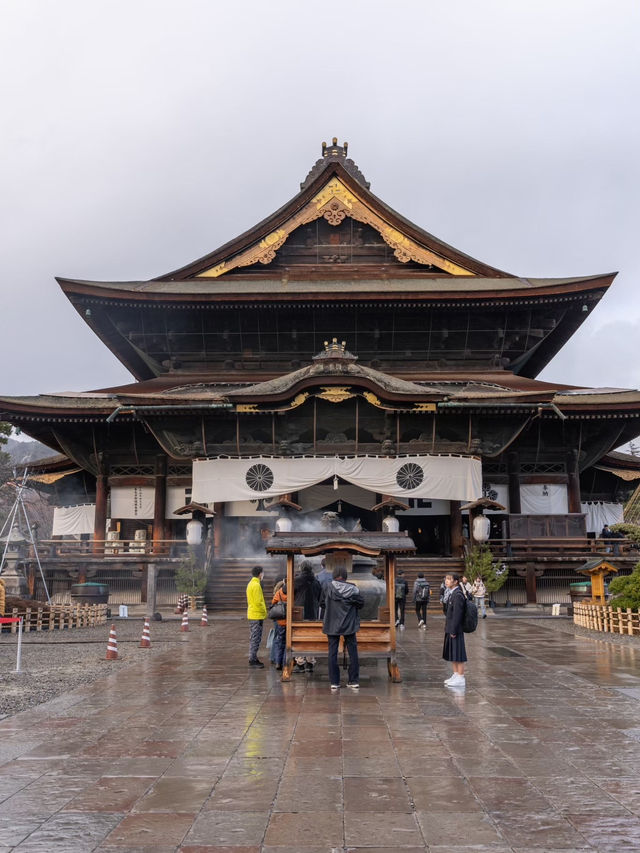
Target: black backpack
[400,590]
[423,591]
[470,619]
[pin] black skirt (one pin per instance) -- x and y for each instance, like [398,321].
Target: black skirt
[453,649]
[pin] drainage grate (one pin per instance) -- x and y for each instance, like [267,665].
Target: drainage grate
[504,652]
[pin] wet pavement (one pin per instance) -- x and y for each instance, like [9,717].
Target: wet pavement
[193,751]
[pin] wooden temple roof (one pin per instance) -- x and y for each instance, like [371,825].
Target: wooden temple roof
[286,289]
[181,393]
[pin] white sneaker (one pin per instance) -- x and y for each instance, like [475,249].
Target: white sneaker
[335,688]
[402,627]
[397,622]
[450,679]
[421,623]
[457,680]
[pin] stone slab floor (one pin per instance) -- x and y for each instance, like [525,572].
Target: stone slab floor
[193,751]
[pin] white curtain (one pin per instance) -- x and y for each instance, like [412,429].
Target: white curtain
[73,520]
[447,477]
[547,499]
[177,497]
[318,496]
[599,513]
[132,502]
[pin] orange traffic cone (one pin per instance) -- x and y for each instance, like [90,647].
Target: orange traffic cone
[185,621]
[205,619]
[145,642]
[112,645]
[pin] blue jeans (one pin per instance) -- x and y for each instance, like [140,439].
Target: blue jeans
[279,644]
[352,649]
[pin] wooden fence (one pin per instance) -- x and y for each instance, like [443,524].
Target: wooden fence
[49,619]
[613,620]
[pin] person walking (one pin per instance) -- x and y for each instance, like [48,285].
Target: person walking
[341,602]
[256,614]
[280,625]
[479,591]
[421,595]
[401,593]
[453,649]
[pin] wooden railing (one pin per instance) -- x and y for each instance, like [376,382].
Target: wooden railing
[613,620]
[564,546]
[74,548]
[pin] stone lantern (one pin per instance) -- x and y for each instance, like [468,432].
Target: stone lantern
[13,549]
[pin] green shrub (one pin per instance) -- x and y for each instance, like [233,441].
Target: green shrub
[625,592]
[189,577]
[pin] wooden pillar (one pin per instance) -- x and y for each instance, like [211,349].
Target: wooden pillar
[513,471]
[100,522]
[573,483]
[456,528]
[150,589]
[530,583]
[159,503]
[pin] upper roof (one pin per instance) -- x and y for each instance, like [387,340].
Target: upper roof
[334,245]
[334,190]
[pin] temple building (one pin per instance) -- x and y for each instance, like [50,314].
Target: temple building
[335,358]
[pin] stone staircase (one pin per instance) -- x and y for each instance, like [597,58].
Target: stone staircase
[229,577]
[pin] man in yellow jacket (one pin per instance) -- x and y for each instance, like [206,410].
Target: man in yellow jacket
[256,614]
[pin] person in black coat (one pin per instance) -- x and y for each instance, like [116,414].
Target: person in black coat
[341,603]
[454,649]
[306,591]
[306,594]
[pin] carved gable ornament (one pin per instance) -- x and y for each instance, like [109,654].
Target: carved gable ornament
[335,202]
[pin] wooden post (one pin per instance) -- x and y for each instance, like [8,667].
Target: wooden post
[288,654]
[530,583]
[392,664]
[100,522]
[455,517]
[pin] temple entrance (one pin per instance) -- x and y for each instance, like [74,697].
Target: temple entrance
[430,533]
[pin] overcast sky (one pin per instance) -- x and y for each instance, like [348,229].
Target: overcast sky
[138,135]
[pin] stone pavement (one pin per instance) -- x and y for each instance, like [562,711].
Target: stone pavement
[193,751]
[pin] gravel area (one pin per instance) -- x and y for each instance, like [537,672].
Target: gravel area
[54,662]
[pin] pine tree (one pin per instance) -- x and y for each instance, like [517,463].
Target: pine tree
[479,563]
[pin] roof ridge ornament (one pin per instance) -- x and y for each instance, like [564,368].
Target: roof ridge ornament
[331,153]
[335,358]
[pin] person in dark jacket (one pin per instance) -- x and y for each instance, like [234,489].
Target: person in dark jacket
[306,594]
[454,649]
[306,591]
[401,593]
[341,602]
